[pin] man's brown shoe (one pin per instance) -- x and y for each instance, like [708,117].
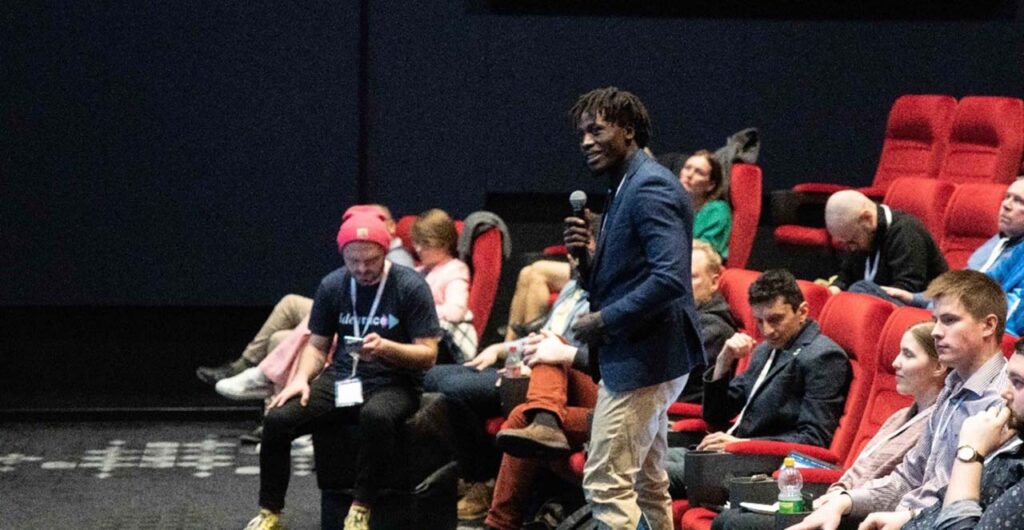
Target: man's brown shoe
[533,441]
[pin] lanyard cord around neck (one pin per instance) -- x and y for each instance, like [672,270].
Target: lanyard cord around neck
[871,268]
[376,301]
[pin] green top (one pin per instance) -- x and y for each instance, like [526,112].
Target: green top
[713,224]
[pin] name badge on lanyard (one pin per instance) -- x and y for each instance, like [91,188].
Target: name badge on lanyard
[871,267]
[349,391]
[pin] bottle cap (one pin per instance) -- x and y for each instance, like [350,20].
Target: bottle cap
[789,462]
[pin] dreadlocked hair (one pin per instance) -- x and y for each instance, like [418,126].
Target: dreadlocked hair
[616,106]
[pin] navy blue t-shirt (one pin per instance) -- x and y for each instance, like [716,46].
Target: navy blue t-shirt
[406,312]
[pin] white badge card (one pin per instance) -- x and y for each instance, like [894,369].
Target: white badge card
[348,392]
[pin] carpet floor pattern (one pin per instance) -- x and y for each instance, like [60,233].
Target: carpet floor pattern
[141,475]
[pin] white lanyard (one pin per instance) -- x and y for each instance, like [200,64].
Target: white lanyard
[757,386]
[373,308]
[870,269]
[996,250]
[871,448]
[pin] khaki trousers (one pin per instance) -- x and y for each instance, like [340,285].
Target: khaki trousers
[625,471]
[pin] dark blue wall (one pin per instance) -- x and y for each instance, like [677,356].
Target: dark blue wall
[188,153]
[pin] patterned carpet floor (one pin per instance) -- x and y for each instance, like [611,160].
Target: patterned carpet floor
[141,475]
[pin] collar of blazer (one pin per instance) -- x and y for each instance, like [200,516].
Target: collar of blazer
[809,332]
[608,217]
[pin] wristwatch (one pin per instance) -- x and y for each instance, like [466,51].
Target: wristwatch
[966,453]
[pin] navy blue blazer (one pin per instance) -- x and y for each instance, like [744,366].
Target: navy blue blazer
[800,400]
[639,279]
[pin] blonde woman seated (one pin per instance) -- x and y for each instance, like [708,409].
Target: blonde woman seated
[434,238]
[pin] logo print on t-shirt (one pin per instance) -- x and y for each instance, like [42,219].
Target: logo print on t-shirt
[388,321]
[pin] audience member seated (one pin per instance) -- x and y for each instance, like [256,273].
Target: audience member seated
[1010,275]
[702,177]
[434,238]
[986,486]
[374,383]
[991,253]
[716,321]
[783,395]
[289,313]
[471,388]
[918,374]
[886,247]
[1001,257]
[970,313]
[552,422]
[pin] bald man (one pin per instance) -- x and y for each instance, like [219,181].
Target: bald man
[886,247]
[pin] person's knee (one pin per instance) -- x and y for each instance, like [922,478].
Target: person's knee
[525,274]
[277,338]
[277,423]
[378,416]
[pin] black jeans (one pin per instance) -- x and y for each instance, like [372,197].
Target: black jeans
[379,418]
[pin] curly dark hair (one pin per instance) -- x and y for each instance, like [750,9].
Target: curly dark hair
[616,106]
[772,284]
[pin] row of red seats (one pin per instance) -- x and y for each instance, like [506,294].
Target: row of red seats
[870,330]
[978,140]
[960,217]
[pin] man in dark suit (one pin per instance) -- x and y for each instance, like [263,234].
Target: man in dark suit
[642,329]
[796,384]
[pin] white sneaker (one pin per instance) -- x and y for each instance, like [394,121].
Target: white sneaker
[250,384]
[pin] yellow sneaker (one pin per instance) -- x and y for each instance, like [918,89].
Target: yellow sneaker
[358,518]
[474,504]
[266,520]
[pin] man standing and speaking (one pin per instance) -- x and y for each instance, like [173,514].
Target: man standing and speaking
[642,328]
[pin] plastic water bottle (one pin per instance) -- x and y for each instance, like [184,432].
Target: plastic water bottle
[791,500]
[514,359]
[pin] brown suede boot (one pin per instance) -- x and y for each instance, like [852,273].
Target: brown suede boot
[533,441]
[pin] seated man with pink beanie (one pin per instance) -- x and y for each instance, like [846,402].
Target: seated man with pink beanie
[388,332]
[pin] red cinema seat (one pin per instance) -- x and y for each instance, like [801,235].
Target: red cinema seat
[485,262]
[745,196]
[925,199]
[734,286]
[971,218]
[403,229]
[854,322]
[883,400]
[986,141]
[1007,344]
[916,136]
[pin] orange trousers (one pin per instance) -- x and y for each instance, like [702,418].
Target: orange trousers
[568,394]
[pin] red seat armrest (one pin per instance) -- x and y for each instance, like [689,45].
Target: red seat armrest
[689,425]
[686,410]
[781,449]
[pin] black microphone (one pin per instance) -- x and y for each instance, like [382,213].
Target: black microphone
[578,200]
